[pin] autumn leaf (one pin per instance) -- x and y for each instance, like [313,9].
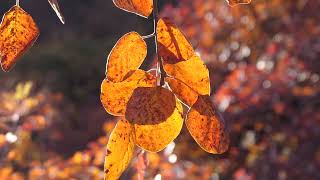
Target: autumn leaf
[156,116]
[235,2]
[187,95]
[140,7]
[179,58]
[128,54]
[115,96]
[120,149]
[18,32]
[55,6]
[206,126]
[173,45]
[192,72]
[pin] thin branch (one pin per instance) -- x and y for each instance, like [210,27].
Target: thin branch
[149,36]
[161,74]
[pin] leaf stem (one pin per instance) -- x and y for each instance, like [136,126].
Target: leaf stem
[149,36]
[161,74]
[17,2]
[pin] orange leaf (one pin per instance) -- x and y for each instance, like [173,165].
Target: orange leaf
[192,72]
[207,127]
[235,2]
[115,96]
[128,54]
[156,116]
[187,95]
[18,32]
[140,7]
[173,46]
[120,149]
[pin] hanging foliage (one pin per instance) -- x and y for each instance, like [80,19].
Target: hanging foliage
[154,113]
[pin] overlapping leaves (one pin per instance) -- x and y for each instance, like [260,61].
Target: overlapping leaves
[152,114]
[156,116]
[179,59]
[189,80]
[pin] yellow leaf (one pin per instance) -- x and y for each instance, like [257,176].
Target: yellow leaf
[173,46]
[120,149]
[191,72]
[139,7]
[128,54]
[18,32]
[207,127]
[179,58]
[156,116]
[115,96]
[235,2]
[187,95]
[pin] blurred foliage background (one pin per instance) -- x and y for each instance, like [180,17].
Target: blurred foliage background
[265,73]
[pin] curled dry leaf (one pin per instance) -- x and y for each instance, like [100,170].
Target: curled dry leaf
[115,96]
[120,149]
[187,95]
[156,116]
[192,72]
[55,6]
[235,2]
[18,31]
[173,46]
[128,54]
[206,126]
[140,7]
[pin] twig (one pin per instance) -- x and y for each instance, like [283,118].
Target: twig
[17,2]
[161,74]
[149,36]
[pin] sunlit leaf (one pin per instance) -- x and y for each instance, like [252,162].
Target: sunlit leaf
[192,72]
[179,58]
[128,54]
[173,46]
[120,149]
[187,95]
[156,116]
[55,6]
[235,2]
[206,126]
[18,31]
[139,7]
[115,96]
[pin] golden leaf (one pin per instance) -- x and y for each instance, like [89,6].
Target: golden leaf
[128,54]
[235,2]
[173,46]
[156,116]
[187,95]
[192,72]
[207,127]
[140,7]
[18,31]
[120,149]
[115,96]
